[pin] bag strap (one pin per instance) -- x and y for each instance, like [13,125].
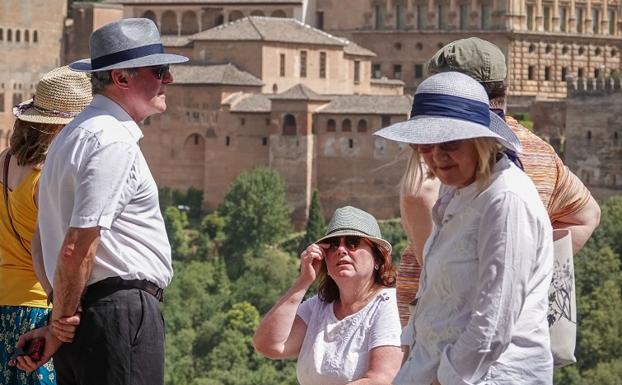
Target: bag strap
[5,179]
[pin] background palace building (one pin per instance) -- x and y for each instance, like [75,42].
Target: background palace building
[301,85]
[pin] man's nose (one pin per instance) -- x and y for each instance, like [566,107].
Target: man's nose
[168,78]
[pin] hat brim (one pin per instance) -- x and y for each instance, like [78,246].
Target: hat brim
[384,246]
[33,116]
[84,65]
[427,129]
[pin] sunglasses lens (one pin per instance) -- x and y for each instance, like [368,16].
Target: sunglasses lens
[334,243]
[352,243]
[160,71]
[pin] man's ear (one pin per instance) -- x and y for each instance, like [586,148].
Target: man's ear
[120,78]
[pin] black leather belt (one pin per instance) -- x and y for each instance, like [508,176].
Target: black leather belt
[110,285]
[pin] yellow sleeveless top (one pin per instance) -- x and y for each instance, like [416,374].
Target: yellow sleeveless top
[18,283]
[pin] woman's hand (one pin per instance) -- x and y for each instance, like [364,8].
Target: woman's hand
[311,262]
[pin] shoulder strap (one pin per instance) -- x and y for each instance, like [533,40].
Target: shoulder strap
[5,187]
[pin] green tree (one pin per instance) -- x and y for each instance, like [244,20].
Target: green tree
[176,223]
[609,232]
[256,213]
[316,225]
[393,232]
[268,275]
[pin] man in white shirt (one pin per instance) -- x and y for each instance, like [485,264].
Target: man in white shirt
[102,234]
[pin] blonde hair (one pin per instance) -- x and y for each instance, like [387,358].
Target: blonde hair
[487,149]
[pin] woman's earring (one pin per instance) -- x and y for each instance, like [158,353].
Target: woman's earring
[376,267]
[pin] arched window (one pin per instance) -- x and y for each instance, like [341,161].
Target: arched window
[278,13]
[35,36]
[289,125]
[589,135]
[26,36]
[18,36]
[346,125]
[151,16]
[331,125]
[1,34]
[362,126]
[235,15]
[257,13]
[189,23]
[169,23]
[194,140]
[9,35]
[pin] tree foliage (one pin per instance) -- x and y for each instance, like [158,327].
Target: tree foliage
[316,224]
[256,213]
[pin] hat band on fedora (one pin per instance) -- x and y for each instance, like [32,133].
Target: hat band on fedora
[451,106]
[125,55]
[349,229]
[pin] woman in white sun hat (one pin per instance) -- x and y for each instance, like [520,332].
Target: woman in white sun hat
[350,332]
[59,96]
[480,315]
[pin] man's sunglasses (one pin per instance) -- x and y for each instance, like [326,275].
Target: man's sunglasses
[352,242]
[454,145]
[160,71]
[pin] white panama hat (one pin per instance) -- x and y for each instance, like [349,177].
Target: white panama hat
[127,43]
[451,106]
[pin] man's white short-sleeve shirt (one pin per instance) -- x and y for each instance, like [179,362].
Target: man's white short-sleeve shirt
[96,175]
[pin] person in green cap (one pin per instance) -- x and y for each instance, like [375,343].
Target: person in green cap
[568,202]
[349,333]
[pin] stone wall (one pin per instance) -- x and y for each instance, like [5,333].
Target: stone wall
[593,146]
[31,34]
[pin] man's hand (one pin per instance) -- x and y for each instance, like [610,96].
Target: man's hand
[64,329]
[52,344]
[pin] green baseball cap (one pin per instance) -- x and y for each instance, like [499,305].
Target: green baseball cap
[478,58]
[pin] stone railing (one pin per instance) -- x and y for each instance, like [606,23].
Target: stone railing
[578,87]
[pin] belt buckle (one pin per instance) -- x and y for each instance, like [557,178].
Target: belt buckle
[159,294]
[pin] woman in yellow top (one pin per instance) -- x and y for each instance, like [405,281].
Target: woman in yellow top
[60,95]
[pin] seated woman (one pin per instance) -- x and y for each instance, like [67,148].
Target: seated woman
[349,333]
[481,315]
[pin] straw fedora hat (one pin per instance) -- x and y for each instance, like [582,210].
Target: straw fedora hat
[127,43]
[349,220]
[60,95]
[451,106]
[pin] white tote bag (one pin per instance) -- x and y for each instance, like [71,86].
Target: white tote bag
[562,315]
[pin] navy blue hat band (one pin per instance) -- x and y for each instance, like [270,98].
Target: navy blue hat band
[451,107]
[125,55]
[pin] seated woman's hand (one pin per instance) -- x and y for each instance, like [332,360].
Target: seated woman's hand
[311,262]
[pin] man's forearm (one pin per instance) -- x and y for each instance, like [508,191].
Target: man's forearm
[73,270]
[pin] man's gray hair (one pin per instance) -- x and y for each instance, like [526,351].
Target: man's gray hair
[100,80]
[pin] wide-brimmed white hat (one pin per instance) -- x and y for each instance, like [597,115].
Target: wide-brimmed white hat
[451,106]
[127,43]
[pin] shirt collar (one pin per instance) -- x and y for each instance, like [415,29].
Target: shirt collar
[113,108]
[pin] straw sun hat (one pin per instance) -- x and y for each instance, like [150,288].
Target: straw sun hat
[451,106]
[60,95]
[349,220]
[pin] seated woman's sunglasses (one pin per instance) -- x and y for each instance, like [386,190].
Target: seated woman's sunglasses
[352,242]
